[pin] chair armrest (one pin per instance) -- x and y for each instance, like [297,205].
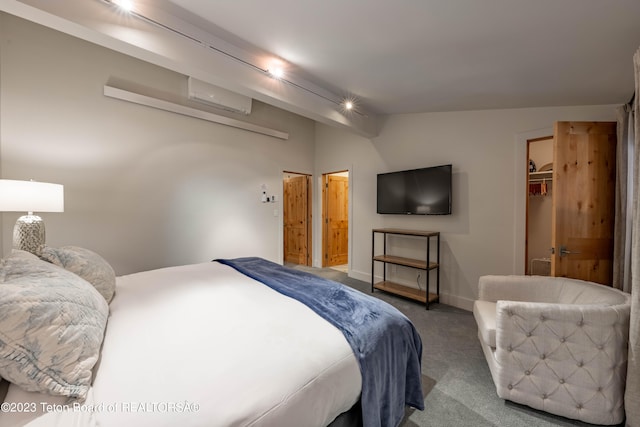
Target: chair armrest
[518,288]
[564,358]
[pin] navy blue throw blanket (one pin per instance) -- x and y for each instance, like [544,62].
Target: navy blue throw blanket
[384,341]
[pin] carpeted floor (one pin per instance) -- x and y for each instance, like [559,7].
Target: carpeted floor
[457,383]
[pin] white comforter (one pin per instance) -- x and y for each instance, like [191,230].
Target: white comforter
[203,345]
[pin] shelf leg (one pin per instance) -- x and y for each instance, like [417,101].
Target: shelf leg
[438,269]
[384,252]
[373,263]
[428,271]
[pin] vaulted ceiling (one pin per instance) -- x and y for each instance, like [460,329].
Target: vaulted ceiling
[410,56]
[390,57]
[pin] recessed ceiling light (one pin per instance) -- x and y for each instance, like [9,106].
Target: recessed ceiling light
[348,105]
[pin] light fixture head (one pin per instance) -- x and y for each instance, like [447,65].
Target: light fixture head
[349,105]
[277,72]
[276,68]
[126,5]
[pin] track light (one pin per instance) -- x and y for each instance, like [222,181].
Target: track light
[349,105]
[276,70]
[126,5]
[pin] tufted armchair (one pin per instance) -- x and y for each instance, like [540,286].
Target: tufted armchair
[556,344]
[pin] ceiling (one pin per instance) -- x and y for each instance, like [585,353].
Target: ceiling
[391,57]
[409,56]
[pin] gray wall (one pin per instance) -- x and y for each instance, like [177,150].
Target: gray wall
[143,187]
[484,235]
[147,188]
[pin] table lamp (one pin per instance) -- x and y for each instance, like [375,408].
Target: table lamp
[30,196]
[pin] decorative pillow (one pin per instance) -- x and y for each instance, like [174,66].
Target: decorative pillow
[52,324]
[18,253]
[86,264]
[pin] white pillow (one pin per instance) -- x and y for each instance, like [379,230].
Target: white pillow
[52,324]
[86,264]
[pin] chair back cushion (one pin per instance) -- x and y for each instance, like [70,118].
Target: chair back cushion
[566,359]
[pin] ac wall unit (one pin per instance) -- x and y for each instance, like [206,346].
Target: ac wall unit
[217,97]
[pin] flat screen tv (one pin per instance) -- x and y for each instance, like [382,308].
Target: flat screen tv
[425,191]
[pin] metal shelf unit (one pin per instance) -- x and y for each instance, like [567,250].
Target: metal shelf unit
[424,296]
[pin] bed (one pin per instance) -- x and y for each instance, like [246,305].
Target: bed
[211,344]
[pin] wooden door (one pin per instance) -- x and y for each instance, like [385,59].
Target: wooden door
[584,170]
[336,220]
[296,213]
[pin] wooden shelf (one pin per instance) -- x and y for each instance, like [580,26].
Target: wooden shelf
[425,264]
[407,262]
[405,232]
[405,291]
[540,175]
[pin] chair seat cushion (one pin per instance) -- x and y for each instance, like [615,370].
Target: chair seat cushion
[485,315]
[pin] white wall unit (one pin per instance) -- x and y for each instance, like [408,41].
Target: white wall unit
[218,97]
[173,107]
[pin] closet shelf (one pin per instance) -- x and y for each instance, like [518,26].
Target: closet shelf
[540,176]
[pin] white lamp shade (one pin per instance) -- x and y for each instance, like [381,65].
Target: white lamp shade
[30,196]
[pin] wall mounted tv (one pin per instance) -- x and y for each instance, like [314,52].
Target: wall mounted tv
[425,191]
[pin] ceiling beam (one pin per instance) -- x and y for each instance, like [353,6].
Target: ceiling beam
[100,23]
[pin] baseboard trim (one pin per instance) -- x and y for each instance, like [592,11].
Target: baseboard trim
[445,298]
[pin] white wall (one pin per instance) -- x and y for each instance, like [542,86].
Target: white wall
[147,188]
[143,187]
[479,237]
[338,150]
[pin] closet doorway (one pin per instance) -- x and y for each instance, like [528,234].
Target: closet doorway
[335,219]
[539,206]
[296,212]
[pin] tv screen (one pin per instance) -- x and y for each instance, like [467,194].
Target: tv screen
[425,191]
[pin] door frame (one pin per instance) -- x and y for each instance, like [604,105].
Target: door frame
[319,223]
[309,261]
[521,172]
[526,190]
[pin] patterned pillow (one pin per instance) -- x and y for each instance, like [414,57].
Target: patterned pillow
[86,264]
[18,253]
[52,324]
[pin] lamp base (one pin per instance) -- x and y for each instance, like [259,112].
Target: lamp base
[28,234]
